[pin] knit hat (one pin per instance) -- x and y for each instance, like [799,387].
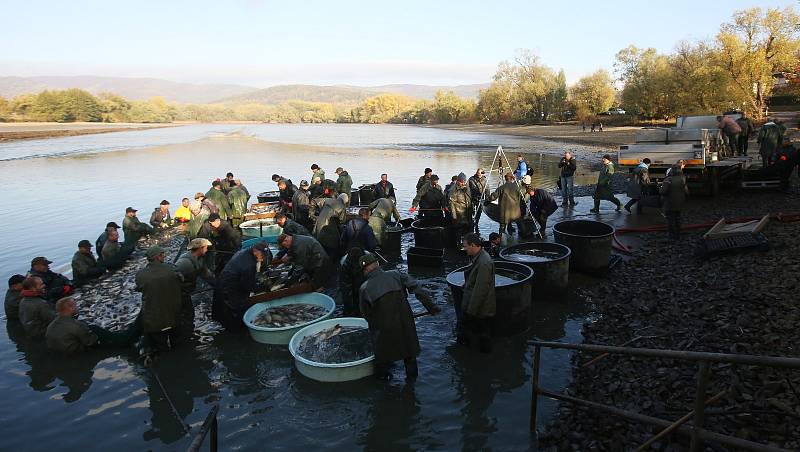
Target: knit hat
[462,177]
[154,251]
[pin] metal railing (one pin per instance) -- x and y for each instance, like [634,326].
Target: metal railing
[210,424]
[696,431]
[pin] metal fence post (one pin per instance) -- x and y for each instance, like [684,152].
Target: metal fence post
[535,387]
[699,406]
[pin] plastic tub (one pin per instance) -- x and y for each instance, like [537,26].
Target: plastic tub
[550,272]
[513,297]
[269,196]
[282,335]
[393,236]
[330,372]
[590,242]
[264,229]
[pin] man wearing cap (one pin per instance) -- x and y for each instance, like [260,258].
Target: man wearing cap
[115,255]
[510,201]
[286,194]
[478,303]
[290,226]
[604,190]
[13,297]
[190,267]
[358,233]
[101,239]
[217,196]
[84,265]
[430,199]
[35,312]
[316,171]
[344,184]
[478,190]
[160,286]
[133,228]
[385,189]
[316,189]
[160,217]
[277,178]
[383,301]
[56,285]
[301,204]
[425,178]
[225,239]
[309,254]
[235,284]
[461,208]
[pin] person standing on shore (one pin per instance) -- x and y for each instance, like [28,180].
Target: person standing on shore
[604,191]
[478,303]
[731,130]
[477,191]
[637,185]
[568,165]
[673,191]
[769,138]
[747,126]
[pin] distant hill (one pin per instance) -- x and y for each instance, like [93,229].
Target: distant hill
[128,87]
[344,94]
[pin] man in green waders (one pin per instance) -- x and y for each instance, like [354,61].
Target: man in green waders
[604,190]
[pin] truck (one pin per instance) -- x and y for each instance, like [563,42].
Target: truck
[697,141]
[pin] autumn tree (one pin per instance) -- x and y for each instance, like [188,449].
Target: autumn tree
[595,92]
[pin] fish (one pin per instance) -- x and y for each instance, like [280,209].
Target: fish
[289,315]
[336,345]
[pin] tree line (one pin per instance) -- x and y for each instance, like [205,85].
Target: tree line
[732,71]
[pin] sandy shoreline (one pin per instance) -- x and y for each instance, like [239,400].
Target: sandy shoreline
[37,130]
[610,138]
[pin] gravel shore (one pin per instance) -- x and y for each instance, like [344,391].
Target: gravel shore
[38,130]
[743,303]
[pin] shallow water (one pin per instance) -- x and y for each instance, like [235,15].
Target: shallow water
[106,400]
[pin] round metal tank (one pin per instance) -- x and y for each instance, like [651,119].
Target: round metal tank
[355,198]
[269,196]
[512,294]
[366,194]
[331,372]
[393,235]
[549,262]
[429,232]
[590,242]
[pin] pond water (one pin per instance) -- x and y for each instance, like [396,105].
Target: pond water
[60,191]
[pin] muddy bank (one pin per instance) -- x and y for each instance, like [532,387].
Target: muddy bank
[35,131]
[609,139]
[743,303]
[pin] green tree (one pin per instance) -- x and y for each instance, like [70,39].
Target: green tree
[595,92]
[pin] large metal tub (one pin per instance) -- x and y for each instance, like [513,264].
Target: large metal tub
[550,265]
[366,194]
[330,372]
[282,335]
[269,196]
[433,232]
[513,297]
[355,198]
[418,256]
[590,242]
[393,236]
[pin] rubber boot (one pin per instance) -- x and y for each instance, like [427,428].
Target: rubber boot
[572,201]
[596,208]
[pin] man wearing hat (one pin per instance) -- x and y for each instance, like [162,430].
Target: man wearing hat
[236,282]
[226,240]
[309,254]
[344,184]
[290,226]
[383,301]
[510,200]
[301,204]
[191,267]
[84,265]
[133,228]
[461,208]
[430,199]
[160,286]
[478,190]
[217,196]
[286,193]
[317,172]
[160,217]
[425,178]
[56,285]
[604,190]
[101,239]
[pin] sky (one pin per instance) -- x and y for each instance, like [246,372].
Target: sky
[264,43]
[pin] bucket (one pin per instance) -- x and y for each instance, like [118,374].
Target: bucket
[392,243]
[590,242]
[330,372]
[282,335]
[512,294]
[549,262]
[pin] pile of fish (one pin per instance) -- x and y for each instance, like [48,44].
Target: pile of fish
[265,208]
[113,302]
[289,315]
[337,345]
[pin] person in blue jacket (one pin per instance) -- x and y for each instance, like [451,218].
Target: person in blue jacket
[522,168]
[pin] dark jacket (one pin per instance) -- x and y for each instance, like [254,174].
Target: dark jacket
[191,268]
[11,304]
[769,138]
[84,267]
[543,201]
[98,244]
[384,304]
[422,181]
[477,187]
[238,278]
[300,206]
[510,199]
[53,284]
[308,253]
[344,184]
[479,297]
[287,194]
[673,191]
[351,277]
[134,229]
[238,201]
[378,228]
[429,197]
[384,208]
[461,208]
[220,201]
[225,238]
[382,191]
[568,167]
[640,178]
[69,335]
[160,286]
[332,214]
[292,227]
[358,233]
[746,125]
[158,217]
[35,313]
